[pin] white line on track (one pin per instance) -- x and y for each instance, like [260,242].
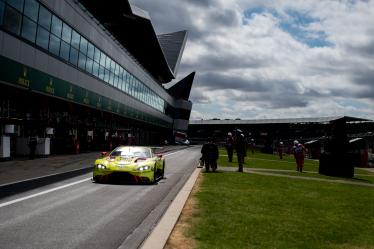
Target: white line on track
[55,189]
[42,193]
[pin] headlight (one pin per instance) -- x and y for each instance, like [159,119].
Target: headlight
[142,168]
[100,166]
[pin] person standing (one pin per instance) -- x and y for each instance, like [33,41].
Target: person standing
[280,150]
[33,142]
[252,145]
[209,153]
[240,148]
[230,146]
[299,154]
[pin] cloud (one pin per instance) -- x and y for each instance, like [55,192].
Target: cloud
[273,59]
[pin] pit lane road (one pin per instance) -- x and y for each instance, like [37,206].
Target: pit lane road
[77,213]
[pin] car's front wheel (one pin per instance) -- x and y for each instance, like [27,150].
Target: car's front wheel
[163,171]
[96,179]
[154,176]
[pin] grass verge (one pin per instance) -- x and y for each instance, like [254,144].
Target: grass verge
[239,210]
[270,161]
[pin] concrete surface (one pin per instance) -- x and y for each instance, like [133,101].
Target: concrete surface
[160,234]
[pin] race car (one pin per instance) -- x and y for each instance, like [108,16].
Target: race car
[139,164]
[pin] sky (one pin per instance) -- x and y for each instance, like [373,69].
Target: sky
[259,59]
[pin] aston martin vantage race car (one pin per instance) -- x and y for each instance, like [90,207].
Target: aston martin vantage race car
[138,164]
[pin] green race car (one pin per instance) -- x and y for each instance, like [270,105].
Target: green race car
[138,164]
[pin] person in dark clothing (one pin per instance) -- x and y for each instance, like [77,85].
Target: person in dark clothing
[209,153]
[240,147]
[229,146]
[33,142]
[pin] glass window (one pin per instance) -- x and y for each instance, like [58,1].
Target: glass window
[42,37]
[91,50]
[89,63]
[137,89]
[145,95]
[120,72]
[66,33]
[12,20]
[142,92]
[83,45]
[56,27]
[106,77]
[126,84]
[111,78]
[112,66]
[95,69]
[117,82]
[2,7]
[107,63]
[82,61]
[97,55]
[54,44]
[18,4]
[73,59]
[115,68]
[29,29]
[75,39]
[102,59]
[132,86]
[154,101]
[65,50]
[44,18]
[148,97]
[101,73]
[123,85]
[31,9]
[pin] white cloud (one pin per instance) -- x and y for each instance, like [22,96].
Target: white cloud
[256,67]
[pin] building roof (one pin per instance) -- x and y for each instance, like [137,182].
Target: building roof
[182,89]
[272,121]
[133,28]
[173,45]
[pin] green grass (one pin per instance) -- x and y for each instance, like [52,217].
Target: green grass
[266,161]
[269,161]
[239,210]
[357,178]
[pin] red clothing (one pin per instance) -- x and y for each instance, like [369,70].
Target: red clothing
[299,153]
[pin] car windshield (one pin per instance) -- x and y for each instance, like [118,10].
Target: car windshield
[132,152]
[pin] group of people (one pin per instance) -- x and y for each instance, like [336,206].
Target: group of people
[210,152]
[298,151]
[238,143]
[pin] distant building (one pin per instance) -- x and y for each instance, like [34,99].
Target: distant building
[268,132]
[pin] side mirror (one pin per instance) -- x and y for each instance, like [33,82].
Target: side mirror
[159,155]
[104,154]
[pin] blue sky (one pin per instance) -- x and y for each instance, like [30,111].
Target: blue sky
[274,59]
[296,24]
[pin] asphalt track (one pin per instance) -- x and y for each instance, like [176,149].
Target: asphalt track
[77,213]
